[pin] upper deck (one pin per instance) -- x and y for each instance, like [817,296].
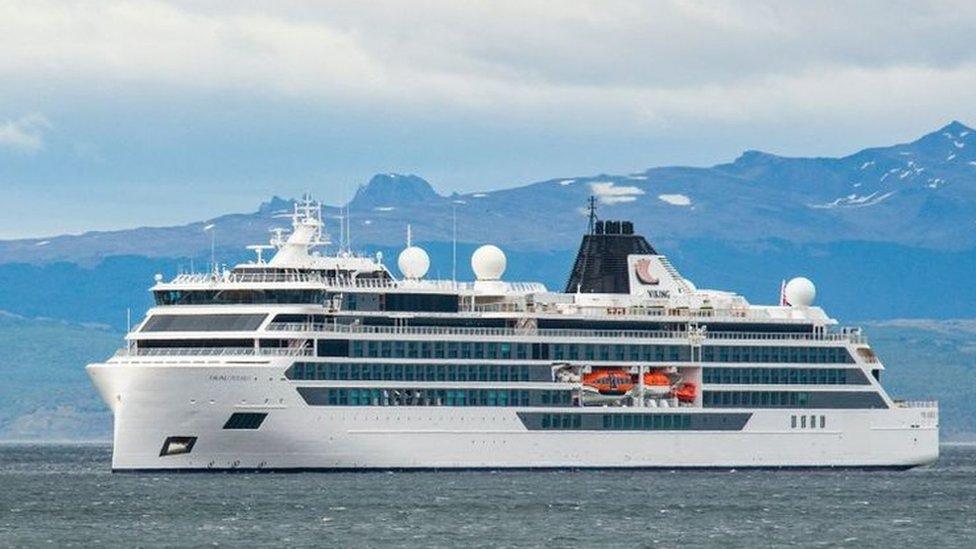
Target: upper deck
[617,276]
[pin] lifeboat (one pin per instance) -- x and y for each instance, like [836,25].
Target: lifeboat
[609,382]
[687,392]
[657,383]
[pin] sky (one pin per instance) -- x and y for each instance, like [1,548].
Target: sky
[116,114]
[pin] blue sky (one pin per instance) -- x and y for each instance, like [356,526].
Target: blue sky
[122,113]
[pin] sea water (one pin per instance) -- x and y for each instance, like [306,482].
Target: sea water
[66,496]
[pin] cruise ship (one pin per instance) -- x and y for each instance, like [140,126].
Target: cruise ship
[321,359]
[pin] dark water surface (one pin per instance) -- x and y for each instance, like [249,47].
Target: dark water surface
[65,496]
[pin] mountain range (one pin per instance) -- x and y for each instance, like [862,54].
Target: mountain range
[888,231]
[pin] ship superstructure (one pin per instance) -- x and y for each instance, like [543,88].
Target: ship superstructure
[326,361]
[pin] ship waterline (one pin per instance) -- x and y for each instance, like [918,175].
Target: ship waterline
[329,362]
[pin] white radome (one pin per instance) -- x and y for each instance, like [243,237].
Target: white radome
[413,262]
[800,292]
[488,262]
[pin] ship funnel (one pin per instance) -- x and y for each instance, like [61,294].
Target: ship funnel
[601,264]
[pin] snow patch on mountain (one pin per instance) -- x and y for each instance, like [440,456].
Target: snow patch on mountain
[675,199]
[565,182]
[855,201]
[609,193]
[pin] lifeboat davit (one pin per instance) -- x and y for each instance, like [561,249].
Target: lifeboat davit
[687,392]
[591,397]
[609,382]
[657,383]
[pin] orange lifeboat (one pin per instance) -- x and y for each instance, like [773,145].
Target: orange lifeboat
[657,383]
[609,382]
[687,392]
[656,379]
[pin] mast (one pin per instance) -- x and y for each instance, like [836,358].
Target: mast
[454,243]
[592,215]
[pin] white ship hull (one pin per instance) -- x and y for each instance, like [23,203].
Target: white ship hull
[195,397]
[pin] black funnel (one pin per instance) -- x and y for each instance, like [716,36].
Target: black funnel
[601,264]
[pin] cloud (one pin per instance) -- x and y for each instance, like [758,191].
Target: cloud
[617,62]
[608,193]
[26,134]
[675,199]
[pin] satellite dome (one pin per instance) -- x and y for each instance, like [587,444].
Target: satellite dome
[800,292]
[488,262]
[413,262]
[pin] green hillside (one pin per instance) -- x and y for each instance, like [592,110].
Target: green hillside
[46,393]
[932,360]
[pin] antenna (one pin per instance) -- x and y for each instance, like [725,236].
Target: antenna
[592,214]
[348,227]
[454,205]
[259,249]
[591,230]
[454,242]
[321,226]
[342,229]
[409,236]
[213,246]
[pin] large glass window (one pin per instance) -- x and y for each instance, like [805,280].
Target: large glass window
[301,371]
[342,396]
[239,297]
[793,399]
[203,323]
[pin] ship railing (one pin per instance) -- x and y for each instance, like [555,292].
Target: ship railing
[335,282]
[924,404]
[214,351]
[258,278]
[204,278]
[652,312]
[547,332]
